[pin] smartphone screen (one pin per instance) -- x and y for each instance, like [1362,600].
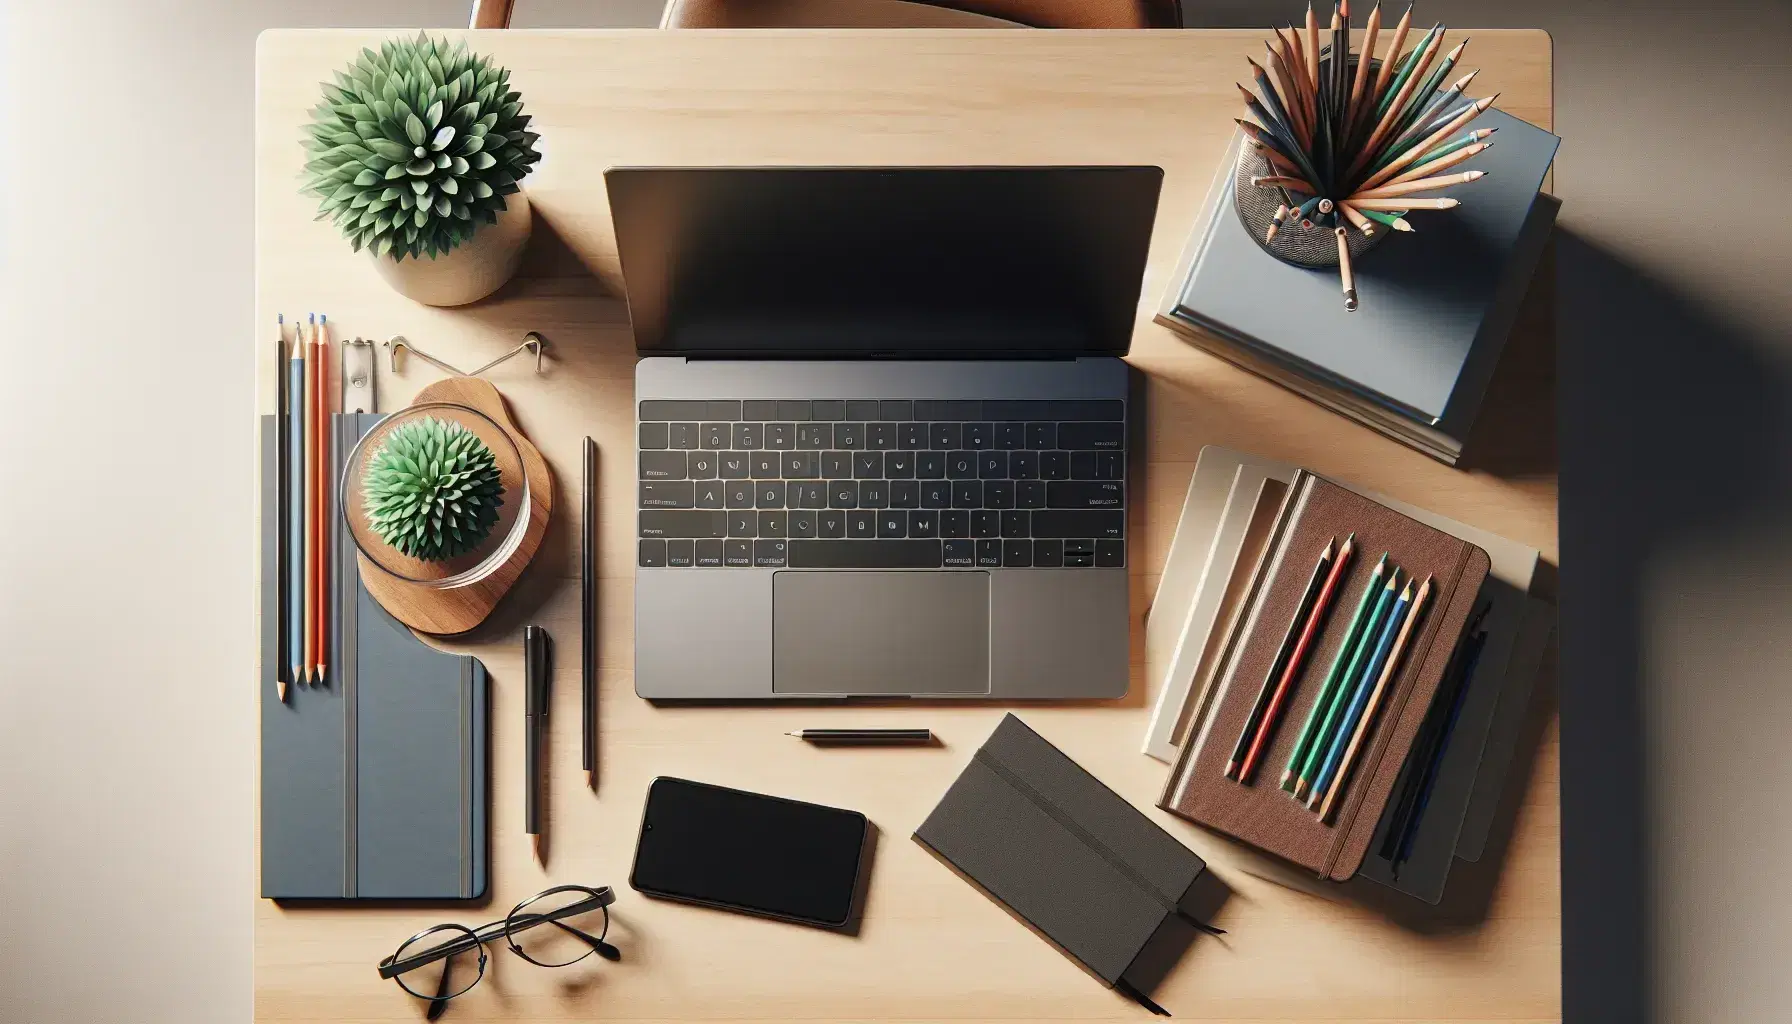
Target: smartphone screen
[745,851]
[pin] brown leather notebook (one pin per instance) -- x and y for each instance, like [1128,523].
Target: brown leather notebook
[1261,813]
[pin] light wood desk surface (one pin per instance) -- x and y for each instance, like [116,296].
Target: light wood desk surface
[930,946]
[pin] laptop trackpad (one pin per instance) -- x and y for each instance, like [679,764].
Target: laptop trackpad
[880,632]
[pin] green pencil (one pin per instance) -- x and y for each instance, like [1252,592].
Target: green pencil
[1407,64]
[1335,675]
[1322,738]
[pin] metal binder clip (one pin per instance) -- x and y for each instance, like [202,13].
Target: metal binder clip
[358,391]
[532,342]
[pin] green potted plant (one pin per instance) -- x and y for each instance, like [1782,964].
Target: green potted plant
[416,153]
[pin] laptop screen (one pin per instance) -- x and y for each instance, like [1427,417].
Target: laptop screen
[901,262]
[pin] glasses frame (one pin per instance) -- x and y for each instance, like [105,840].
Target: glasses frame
[513,923]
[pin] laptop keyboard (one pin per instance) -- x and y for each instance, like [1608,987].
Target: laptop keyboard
[863,484]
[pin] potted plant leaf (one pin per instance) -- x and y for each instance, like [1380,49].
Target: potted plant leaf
[416,154]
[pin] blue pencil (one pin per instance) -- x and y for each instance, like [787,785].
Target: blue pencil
[1359,698]
[296,509]
[1410,828]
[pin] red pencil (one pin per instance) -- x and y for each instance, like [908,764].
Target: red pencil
[1266,728]
[319,424]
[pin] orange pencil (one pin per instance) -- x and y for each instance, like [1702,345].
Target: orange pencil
[321,502]
[303,503]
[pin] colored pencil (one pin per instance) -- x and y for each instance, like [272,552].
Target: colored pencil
[1292,97]
[1290,638]
[1366,721]
[325,469]
[298,472]
[281,511]
[1406,72]
[1405,204]
[1433,109]
[1334,712]
[1353,633]
[1421,97]
[307,499]
[588,615]
[1422,759]
[1394,190]
[1275,222]
[1353,110]
[1385,75]
[1385,128]
[1285,686]
[1392,220]
[1345,727]
[1473,138]
[1346,275]
[1456,155]
[1418,149]
[1410,829]
[1313,57]
[1358,220]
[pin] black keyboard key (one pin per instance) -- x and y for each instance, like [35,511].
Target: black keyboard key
[747,436]
[998,494]
[780,436]
[1014,524]
[653,554]
[668,494]
[967,494]
[662,466]
[989,553]
[714,436]
[722,409]
[743,524]
[874,494]
[830,524]
[951,410]
[850,436]
[930,465]
[698,522]
[985,523]
[801,465]
[923,524]
[767,465]
[680,554]
[768,493]
[709,494]
[1041,436]
[802,524]
[1092,435]
[945,436]
[1072,409]
[861,525]
[868,465]
[1058,522]
[836,464]
[738,494]
[892,524]
[1023,465]
[1082,546]
[774,524]
[709,554]
[955,522]
[899,465]
[1048,554]
[655,435]
[1011,436]
[1110,553]
[1078,561]
[979,436]
[808,494]
[663,410]
[992,465]
[815,436]
[865,554]
[733,466]
[828,409]
[897,410]
[682,435]
[759,410]
[843,494]
[1110,465]
[794,410]
[961,554]
[1082,465]
[911,436]
[936,494]
[1030,493]
[880,436]
[771,554]
[1085,494]
[961,466]
[905,494]
[1054,465]
[738,554]
[861,410]
[702,465]
[1017,554]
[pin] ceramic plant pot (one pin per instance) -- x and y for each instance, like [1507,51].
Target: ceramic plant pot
[470,271]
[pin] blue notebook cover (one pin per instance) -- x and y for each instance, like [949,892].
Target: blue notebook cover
[373,785]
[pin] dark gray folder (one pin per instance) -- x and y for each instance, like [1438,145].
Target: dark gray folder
[1084,868]
[373,786]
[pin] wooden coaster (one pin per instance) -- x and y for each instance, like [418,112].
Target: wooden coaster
[462,608]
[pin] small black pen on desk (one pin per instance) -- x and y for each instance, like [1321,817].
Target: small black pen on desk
[588,618]
[863,737]
[535,712]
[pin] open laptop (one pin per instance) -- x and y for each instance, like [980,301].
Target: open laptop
[882,428]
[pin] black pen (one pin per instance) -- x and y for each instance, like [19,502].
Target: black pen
[588,618]
[845,736]
[535,713]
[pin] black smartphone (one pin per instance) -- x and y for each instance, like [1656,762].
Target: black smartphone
[745,851]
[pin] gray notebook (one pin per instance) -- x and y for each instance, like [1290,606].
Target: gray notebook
[373,786]
[1086,870]
[1436,303]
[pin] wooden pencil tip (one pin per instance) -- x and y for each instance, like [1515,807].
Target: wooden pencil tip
[280,688]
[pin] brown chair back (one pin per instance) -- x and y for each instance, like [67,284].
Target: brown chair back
[891,14]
